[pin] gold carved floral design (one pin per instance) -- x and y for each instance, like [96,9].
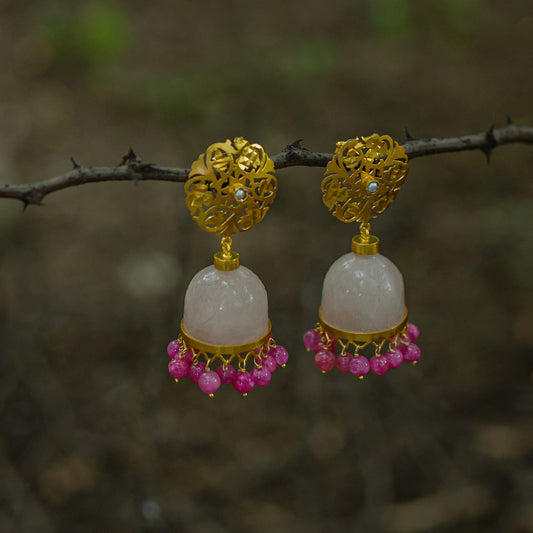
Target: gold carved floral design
[364,177]
[231,187]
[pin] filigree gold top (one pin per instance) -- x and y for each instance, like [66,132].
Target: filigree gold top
[364,178]
[230,187]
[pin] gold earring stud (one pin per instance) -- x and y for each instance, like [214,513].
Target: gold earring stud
[225,333]
[363,302]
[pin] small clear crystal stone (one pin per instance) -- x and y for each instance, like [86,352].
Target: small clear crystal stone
[240,194]
[372,186]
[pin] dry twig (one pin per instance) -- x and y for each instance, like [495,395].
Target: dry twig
[131,169]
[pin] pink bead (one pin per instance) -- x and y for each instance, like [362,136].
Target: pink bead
[359,366]
[401,347]
[173,348]
[324,360]
[178,368]
[412,353]
[226,376]
[280,354]
[311,339]
[261,376]
[412,332]
[187,356]
[379,365]
[209,382]
[195,371]
[394,358]
[343,362]
[270,363]
[243,383]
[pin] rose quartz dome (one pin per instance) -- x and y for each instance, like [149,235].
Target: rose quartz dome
[226,308]
[363,294]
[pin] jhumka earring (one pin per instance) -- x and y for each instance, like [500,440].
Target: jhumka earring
[225,332]
[363,303]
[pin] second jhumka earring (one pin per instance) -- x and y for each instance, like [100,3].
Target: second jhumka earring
[363,303]
[225,332]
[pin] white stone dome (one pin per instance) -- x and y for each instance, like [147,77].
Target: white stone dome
[226,308]
[363,294]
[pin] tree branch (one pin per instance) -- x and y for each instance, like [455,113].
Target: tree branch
[294,154]
[485,141]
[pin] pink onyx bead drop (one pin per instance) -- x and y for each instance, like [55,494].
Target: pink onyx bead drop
[412,353]
[394,358]
[243,382]
[359,366]
[401,345]
[342,362]
[187,356]
[311,339]
[173,348]
[379,364]
[195,371]
[178,368]
[270,363]
[209,382]
[324,360]
[412,332]
[228,375]
[280,354]
[261,376]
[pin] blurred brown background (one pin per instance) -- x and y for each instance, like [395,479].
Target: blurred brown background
[95,436]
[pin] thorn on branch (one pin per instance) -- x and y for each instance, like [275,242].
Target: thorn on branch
[130,157]
[490,137]
[293,150]
[296,145]
[491,143]
[408,136]
[31,197]
[74,164]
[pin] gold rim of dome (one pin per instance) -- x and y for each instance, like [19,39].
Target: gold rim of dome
[225,349]
[363,337]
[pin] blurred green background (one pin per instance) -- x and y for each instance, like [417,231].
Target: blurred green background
[95,436]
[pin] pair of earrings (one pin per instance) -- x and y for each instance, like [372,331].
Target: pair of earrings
[225,333]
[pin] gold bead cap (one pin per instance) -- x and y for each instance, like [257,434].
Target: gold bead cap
[226,259]
[362,246]
[226,262]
